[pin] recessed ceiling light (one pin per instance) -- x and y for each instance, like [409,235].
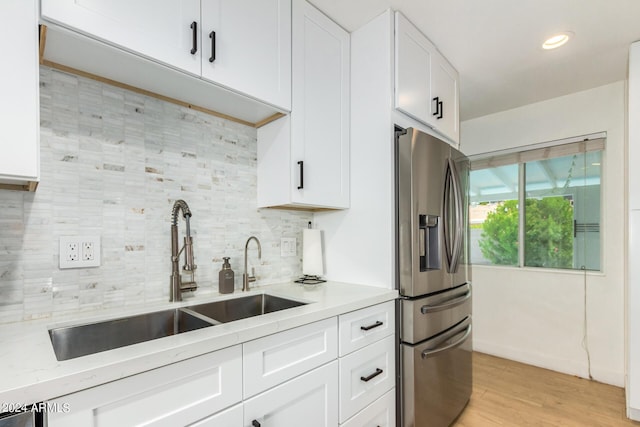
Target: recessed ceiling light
[557,40]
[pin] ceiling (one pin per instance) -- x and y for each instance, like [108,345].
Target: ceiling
[496,44]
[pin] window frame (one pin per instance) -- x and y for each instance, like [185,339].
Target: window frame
[521,156]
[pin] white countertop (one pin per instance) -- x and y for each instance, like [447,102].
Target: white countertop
[29,371]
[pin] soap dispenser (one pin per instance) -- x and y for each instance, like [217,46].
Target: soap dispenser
[226,278]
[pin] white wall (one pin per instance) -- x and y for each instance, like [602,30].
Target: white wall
[536,316]
[633,286]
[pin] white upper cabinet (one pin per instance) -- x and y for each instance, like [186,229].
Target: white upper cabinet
[166,31]
[444,92]
[414,54]
[303,159]
[426,85]
[242,45]
[246,45]
[19,102]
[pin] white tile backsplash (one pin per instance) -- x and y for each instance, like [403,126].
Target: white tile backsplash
[112,163]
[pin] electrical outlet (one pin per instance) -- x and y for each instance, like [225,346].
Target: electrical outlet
[87,251]
[288,246]
[71,251]
[79,251]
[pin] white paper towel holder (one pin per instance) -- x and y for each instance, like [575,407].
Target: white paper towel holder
[310,280]
[312,262]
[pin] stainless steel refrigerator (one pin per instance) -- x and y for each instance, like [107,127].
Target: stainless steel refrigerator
[434,280]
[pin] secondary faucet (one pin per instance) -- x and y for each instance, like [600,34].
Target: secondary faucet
[246,279]
[177,287]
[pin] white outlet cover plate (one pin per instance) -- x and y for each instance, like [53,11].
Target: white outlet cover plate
[287,246]
[79,241]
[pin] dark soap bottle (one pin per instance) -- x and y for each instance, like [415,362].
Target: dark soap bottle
[226,278]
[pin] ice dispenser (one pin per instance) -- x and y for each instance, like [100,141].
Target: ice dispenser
[429,242]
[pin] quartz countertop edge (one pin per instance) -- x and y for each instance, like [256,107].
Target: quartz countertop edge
[30,372]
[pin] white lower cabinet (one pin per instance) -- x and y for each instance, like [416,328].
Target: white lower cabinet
[310,400]
[291,378]
[178,394]
[381,413]
[368,366]
[366,326]
[231,417]
[365,375]
[276,358]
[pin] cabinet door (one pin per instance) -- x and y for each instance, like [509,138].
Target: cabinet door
[366,375]
[160,30]
[310,400]
[19,106]
[381,413]
[252,44]
[320,109]
[276,358]
[444,87]
[414,57]
[231,417]
[178,394]
[363,327]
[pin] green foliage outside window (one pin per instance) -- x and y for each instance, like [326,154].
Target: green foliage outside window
[499,241]
[548,233]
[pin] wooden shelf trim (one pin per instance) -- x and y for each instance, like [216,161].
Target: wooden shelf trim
[64,68]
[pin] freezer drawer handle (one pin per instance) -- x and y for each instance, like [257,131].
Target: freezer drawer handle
[447,305]
[372,376]
[375,325]
[431,353]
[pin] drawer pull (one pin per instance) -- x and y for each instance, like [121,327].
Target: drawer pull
[375,325]
[372,376]
[255,423]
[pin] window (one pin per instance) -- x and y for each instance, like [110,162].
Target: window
[548,198]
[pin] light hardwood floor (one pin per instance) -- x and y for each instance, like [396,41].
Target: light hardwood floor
[507,393]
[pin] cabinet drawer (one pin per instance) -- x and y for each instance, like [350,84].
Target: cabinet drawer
[231,417]
[381,413]
[178,394]
[276,358]
[310,400]
[366,375]
[363,327]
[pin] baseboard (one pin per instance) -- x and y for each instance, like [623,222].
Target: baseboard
[565,366]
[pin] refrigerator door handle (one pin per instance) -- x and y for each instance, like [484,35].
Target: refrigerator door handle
[454,302]
[458,216]
[434,352]
[446,212]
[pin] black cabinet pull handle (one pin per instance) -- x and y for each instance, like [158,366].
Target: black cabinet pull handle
[194,27]
[437,101]
[372,376]
[255,423]
[212,36]
[301,164]
[441,109]
[375,325]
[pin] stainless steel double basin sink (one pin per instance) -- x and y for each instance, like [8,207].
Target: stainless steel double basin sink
[80,340]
